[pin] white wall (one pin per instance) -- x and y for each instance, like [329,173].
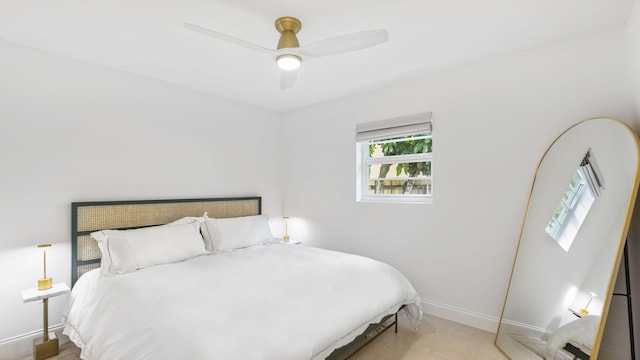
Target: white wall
[633,54]
[492,123]
[72,131]
[632,32]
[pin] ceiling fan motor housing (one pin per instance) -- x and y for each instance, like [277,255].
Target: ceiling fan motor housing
[288,27]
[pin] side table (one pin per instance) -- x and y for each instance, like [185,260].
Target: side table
[48,345]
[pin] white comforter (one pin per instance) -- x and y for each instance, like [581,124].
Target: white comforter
[266,302]
[581,333]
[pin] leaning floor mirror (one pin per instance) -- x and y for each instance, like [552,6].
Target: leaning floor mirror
[571,243]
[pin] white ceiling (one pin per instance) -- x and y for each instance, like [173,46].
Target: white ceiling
[146,37]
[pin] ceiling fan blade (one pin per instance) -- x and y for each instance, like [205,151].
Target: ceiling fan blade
[227,38]
[288,78]
[345,43]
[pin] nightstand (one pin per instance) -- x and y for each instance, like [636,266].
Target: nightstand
[293,242]
[576,313]
[48,345]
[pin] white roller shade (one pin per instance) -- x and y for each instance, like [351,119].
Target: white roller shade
[592,174]
[395,127]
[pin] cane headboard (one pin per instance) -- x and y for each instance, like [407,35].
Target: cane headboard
[87,217]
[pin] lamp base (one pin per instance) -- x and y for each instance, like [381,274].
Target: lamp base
[45,284]
[286,238]
[584,312]
[45,349]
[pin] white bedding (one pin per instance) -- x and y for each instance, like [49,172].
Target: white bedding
[580,333]
[277,301]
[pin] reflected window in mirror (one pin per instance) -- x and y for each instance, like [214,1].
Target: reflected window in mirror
[585,186]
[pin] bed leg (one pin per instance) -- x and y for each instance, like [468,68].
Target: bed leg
[396,323]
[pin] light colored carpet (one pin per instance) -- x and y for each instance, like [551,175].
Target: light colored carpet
[437,339]
[68,351]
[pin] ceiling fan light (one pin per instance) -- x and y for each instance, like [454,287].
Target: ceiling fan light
[288,61]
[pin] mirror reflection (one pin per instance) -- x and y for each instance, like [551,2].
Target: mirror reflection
[558,296]
[576,201]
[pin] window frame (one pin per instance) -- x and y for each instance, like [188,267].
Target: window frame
[569,207]
[404,127]
[580,201]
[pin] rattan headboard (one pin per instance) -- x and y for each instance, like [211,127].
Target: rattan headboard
[87,217]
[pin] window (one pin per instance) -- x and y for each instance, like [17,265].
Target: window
[585,186]
[394,160]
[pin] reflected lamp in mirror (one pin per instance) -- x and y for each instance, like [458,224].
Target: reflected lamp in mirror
[286,237]
[584,311]
[46,282]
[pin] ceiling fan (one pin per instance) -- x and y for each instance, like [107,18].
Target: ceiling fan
[289,54]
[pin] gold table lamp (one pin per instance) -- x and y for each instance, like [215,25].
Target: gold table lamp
[286,237]
[44,283]
[584,311]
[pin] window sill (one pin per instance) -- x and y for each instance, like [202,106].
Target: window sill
[396,200]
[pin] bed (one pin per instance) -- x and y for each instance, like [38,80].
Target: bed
[230,298]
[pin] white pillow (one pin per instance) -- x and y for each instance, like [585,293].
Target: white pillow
[129,250]
[223,234]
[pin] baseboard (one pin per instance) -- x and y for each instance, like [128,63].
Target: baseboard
[522,329]
[466,317]
[23,344]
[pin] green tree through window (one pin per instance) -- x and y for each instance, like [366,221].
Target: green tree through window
[420,144]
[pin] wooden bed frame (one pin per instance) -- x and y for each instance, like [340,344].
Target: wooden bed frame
[87,217]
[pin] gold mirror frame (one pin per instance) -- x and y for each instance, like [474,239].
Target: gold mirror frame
[564,142]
